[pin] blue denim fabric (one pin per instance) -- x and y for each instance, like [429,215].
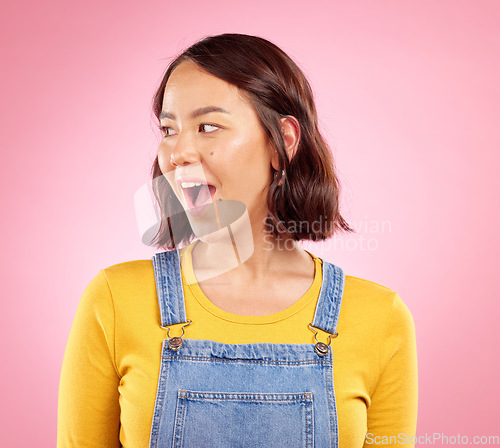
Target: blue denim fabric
[244,395]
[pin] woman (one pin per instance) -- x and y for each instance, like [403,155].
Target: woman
[235,335]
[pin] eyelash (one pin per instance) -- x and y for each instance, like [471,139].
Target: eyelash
[164,129]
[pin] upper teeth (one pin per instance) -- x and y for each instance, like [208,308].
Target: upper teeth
[191,184]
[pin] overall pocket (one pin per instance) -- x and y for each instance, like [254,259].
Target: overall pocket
[219,419]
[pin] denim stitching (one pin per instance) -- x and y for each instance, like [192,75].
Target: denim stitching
[245,400]
[321,299]
[331,404]
[250,361]
[179,315]
[184,396]
[183,419]
[309,413]
[339,296]
[159,286]
[180,416]
[250,397]
[160,396]
[170,293]
[168,272]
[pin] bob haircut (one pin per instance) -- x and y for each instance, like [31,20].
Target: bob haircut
[276,87]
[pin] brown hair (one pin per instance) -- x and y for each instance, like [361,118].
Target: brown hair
[276,87]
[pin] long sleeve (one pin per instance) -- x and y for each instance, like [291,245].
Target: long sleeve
[392,414]
[89,411]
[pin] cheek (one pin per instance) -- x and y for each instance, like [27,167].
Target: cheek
[164,160]
[244,150]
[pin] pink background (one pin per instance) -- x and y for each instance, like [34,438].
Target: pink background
[408,97]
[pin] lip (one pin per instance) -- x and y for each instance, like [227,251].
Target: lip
[200,207]
[179,181]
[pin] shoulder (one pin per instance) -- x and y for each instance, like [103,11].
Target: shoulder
[367,301]
[127,284]
[361,292]
[372,305]
[128,267]
[117,287]
[361,285]
[129,273]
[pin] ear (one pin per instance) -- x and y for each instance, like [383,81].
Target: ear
[291,135]
[275,163]
[290,129]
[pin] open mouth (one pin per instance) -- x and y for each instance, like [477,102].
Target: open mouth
[197,193]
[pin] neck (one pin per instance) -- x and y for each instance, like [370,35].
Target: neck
[245,252]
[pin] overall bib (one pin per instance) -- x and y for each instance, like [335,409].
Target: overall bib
[244,395]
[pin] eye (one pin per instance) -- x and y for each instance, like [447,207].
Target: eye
[165,131]
[209,127]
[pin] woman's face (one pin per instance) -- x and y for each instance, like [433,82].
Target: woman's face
[212,134]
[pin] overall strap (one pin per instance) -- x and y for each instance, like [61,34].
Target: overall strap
[327,311]
[167,271]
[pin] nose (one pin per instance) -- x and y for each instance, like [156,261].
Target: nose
[184,151]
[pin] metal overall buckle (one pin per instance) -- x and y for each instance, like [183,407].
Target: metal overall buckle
[175,343]
[321,348]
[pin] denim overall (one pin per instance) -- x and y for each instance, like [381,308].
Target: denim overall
[244,395]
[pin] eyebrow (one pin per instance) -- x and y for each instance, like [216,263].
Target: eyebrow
[196,113]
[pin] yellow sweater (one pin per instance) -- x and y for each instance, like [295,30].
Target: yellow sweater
[111,365]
